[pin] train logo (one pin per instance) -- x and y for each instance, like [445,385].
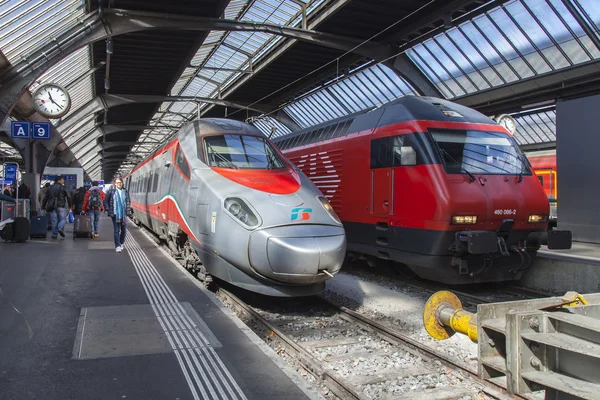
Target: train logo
[301,214]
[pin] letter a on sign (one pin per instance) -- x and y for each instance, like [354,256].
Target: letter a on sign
[19,130]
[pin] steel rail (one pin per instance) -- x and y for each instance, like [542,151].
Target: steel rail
[336,384]
[493,389]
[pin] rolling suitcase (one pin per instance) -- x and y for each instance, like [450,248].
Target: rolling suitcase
[82,226]
[39,227]
[16,231]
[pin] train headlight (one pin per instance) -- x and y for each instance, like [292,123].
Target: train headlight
[536,219]
[464,219]
[327,206]
[239,210]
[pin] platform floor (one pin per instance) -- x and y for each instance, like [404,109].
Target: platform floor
[578,251]
[90,323]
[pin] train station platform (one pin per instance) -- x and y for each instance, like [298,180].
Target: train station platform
[80,321]
[559,271]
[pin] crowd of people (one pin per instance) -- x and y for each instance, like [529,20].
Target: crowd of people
[57,202]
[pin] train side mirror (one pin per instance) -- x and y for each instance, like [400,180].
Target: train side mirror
[168,163]
[408,155]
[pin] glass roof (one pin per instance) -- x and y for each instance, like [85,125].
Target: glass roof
[517,40]
[536,126]
[270,126]
[26,25]
[369,87]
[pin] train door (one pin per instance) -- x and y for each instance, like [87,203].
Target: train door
[165,189]
[382,177]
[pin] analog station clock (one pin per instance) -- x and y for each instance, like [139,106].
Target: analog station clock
[51,100]
[508,122]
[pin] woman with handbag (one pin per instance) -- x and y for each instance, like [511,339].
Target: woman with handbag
[118,205]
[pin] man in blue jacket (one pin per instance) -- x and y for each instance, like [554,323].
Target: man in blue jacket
[118,205]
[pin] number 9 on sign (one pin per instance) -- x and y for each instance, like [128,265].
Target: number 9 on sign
[41,130]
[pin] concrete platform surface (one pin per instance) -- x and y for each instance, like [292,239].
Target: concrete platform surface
[80,321]
[561,271]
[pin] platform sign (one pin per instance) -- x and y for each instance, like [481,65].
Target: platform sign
[40,130]
[10,171]
[19,130]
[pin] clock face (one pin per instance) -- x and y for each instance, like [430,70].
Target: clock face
[508,122]
[51,100]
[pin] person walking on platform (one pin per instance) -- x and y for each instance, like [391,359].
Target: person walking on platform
[93,204]
[56,203]
[78,200]
[41,197]
[117,205]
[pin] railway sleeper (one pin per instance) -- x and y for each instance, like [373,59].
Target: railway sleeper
[390,375]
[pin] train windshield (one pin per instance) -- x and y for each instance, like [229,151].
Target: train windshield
[479,152]
[241,151]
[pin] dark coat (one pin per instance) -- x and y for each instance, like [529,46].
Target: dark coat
[109,202]
[58,192]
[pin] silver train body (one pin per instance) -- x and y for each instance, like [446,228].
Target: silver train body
[230,205]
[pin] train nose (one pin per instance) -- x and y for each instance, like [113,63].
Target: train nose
[298,254]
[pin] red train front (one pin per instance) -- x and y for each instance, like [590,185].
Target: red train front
[431,184]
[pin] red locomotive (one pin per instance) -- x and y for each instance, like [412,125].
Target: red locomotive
[431,184]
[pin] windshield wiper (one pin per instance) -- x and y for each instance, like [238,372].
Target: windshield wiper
[469,174]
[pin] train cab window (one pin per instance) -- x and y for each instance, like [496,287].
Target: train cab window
[181,162]
[241,151]
[479,152]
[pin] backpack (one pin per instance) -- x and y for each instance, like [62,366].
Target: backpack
[52,200]
[94,200]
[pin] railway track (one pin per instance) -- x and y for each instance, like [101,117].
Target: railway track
[359,358]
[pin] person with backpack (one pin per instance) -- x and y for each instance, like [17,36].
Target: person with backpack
[56,203]
[78,200]
[118,206]
[93,205]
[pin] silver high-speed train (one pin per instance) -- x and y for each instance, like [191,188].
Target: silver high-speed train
[231,205]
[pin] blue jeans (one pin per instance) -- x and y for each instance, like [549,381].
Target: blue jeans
[95,217]
[120,231]
[59,219]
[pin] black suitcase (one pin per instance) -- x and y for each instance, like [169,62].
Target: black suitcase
[39,227]
[82,226]
[16,231]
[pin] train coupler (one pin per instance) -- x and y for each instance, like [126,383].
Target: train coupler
[476,242]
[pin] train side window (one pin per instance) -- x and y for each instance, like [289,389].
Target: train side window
[155,183]
[381,153]
[181,162]
[397,142]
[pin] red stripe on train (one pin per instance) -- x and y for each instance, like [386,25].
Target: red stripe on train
[168,207]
